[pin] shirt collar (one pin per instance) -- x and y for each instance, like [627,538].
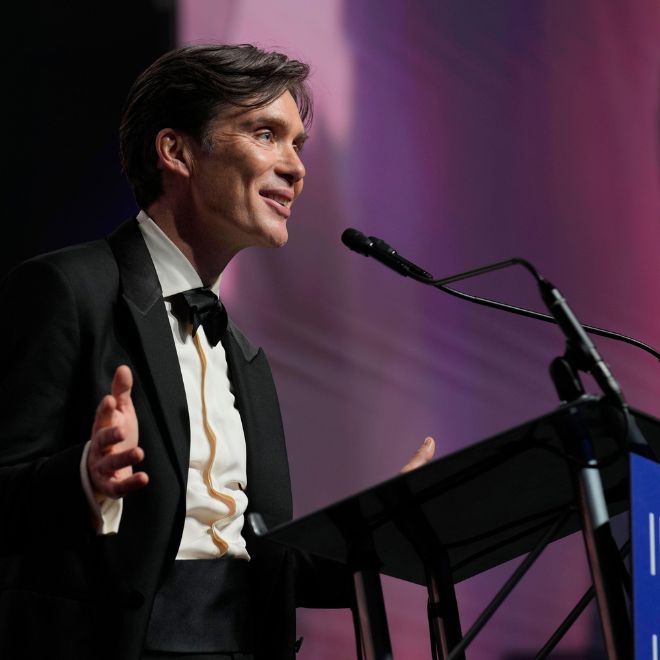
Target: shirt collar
[175,272]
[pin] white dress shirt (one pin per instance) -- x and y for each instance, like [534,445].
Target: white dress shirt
[228,473]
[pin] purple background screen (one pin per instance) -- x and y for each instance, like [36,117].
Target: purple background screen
[462,133]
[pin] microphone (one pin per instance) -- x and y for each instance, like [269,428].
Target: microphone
[371,246]
[575,333]
[362,244]
[560,313]
[579,341]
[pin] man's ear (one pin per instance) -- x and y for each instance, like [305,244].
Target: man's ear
[174,153]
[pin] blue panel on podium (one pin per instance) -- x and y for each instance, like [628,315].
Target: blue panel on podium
[645,524]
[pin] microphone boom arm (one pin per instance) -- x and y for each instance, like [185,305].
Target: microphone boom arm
[521,311]
[370,246]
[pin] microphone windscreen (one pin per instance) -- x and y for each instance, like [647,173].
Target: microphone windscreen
[357,241]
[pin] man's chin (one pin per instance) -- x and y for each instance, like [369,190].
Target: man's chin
[268,234]
[281,242]
[277,238]
[272,242]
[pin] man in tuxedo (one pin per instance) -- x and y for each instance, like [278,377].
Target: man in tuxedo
[100,558]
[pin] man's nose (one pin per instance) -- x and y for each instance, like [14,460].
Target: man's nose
[291,166]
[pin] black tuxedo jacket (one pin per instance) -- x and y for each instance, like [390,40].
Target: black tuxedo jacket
[69,319]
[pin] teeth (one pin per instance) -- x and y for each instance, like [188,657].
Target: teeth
[280,200]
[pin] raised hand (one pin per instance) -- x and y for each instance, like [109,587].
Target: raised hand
[114,446]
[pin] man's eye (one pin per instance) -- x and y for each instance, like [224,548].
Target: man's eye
[265,136]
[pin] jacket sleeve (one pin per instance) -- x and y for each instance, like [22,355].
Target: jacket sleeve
[41,437]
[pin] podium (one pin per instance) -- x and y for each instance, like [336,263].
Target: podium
[469,511]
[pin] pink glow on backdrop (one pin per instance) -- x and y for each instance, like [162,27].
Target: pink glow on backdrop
[299,29]
[463,134]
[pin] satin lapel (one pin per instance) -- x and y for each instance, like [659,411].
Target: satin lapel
[142,294]
[268,483]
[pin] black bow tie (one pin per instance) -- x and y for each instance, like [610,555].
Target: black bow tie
[202,307]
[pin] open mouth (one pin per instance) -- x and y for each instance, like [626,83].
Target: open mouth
[279,199]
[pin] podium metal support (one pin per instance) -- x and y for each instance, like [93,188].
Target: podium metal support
[602,552]
[444,620]
[507,587]
[604,562]
[374,634]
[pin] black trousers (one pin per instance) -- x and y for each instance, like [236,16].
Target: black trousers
[158,655]
[202,611]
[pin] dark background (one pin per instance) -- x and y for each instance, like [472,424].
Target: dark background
[68,67]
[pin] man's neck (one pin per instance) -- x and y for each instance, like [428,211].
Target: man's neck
[207,257]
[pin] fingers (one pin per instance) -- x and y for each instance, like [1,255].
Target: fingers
[122,382]
[121,487]
[104,412]
[106,438]
[422,456]
[112,474]
[113,451]
[111,463]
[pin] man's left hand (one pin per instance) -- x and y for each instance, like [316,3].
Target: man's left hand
[422,456]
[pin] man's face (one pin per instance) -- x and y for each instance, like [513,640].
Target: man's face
[242,189]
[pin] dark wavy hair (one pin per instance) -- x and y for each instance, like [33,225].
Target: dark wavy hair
[186,88]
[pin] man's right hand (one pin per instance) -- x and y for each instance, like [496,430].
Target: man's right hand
[114,446]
